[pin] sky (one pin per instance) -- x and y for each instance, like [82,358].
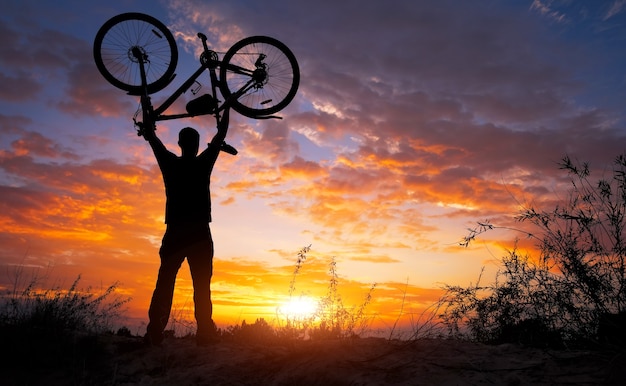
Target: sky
[413,120]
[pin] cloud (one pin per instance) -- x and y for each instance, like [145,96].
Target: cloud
[35,59]
[68,201]
[35,144]
[300,168]
[89,95]
[544,8]
[271,144]
[19,88]
[462,108]
[616,7]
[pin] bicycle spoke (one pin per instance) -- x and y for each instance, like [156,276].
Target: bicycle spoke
[277,76]
[113,51]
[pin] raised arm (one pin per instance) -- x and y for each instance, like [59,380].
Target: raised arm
[214,147]
[148,130]
[222,129]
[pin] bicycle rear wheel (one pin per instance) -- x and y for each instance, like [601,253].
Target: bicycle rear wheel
[112,51]
[264,71]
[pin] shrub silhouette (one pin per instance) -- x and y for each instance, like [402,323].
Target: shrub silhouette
[56,310]
[54,329]
[577,279]
[260,332]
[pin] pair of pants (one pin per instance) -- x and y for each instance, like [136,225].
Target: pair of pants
[194,242]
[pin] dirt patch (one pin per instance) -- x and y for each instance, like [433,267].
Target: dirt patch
[350,362]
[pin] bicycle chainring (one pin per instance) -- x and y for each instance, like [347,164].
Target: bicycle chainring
[209,58]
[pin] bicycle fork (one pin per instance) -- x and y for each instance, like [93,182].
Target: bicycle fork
[146,103]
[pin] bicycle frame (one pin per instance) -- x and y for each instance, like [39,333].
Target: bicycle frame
[208,61]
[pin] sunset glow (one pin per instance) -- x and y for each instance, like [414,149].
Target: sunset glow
[301,308]
[413,121]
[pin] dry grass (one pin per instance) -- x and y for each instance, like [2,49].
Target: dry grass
[53,330]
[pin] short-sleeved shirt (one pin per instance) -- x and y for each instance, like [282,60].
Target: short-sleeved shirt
[187,185]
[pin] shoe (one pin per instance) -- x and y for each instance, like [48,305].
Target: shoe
[207,340]
[207,336]
[153,340]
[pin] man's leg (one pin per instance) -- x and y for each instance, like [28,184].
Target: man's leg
[161,303]
[200,258]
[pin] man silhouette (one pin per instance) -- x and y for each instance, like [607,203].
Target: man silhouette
[188,235]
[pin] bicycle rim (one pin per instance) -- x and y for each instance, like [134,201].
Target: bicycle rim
[112,52]
[278,88]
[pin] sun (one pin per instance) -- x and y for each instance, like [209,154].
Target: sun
[300,308]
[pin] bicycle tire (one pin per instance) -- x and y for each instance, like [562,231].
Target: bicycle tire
[281,84]
[112,52]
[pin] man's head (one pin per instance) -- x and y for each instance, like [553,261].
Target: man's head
[189,141]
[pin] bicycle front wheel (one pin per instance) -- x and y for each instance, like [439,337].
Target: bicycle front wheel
[261,73]
[113,46]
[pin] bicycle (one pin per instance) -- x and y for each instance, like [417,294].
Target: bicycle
[135,52]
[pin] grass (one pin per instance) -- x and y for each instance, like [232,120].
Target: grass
[54,330]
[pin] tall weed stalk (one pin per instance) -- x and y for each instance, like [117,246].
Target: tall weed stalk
[333,319]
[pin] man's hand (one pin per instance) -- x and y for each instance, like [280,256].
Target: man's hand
[222,129]
[146,129]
